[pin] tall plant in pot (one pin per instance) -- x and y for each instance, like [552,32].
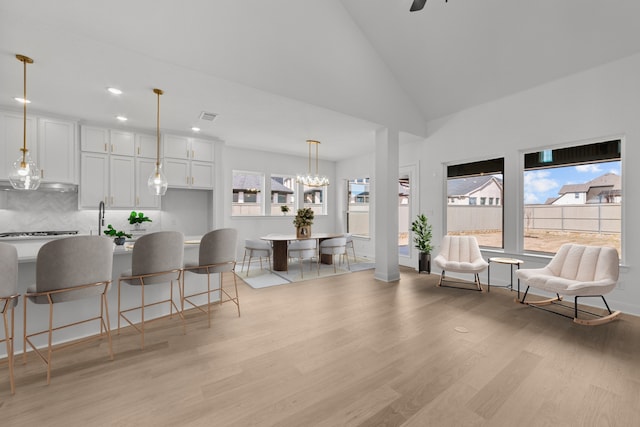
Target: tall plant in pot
[422,239]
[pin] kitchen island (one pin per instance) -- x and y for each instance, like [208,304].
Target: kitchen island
[71,311]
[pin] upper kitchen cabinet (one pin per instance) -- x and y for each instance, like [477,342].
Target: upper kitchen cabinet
[57,150]
[182,147]
[100,140]
[11,140]
[146,146]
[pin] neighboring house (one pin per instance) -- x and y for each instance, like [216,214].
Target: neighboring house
[247,188]
[477,190]
[603,189]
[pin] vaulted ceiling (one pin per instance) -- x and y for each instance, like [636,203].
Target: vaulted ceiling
[278,72]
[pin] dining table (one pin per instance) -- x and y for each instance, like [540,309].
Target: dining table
[280,243]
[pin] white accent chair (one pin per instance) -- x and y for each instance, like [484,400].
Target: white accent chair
[157,258]
[217,255]
[8,300]
[256,248]
[69,269]
[578,271]
[335,246]
[302,249]
[460,254]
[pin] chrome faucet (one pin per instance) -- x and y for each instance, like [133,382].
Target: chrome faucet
[100,218]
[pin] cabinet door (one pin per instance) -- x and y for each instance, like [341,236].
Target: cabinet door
[94,139]
[122,143]
[146,146]
[122,182]
[201,150]
[202,175]
[11,141]
[177,173]
[176,147]
[57,150]
[144,198]
[94,179]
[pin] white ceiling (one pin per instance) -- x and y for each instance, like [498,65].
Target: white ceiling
[279,72]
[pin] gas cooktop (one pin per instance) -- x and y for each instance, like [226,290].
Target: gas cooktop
[37,233]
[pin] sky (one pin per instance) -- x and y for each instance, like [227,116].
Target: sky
[541,184]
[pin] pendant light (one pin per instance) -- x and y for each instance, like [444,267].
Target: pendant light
[313,180]
[157,181]
[24,174]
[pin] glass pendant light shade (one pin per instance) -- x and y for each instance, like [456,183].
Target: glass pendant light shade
[24,174]
[157,182]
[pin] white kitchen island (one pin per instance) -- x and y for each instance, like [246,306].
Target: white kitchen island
[72,311]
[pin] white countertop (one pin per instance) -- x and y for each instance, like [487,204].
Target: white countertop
[28,247]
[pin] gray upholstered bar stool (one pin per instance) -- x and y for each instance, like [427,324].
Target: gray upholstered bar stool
[8,300]
[217,255]
[68,269]
[157,258]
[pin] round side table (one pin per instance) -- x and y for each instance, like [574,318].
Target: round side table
[504,260]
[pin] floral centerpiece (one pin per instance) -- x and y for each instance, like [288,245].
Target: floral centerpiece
[303,221]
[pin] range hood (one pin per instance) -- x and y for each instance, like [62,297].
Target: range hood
[44,186]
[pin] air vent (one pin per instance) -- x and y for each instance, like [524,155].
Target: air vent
[207,116]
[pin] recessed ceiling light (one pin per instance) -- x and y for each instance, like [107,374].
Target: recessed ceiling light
[22,100]
[195,129]
[114,91]
[122,118]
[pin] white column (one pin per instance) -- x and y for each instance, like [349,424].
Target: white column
[387,165]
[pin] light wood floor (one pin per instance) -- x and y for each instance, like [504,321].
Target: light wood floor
[347,350]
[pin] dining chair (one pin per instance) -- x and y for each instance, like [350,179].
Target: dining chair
[256,248]
[217,255]
[349,238]
[69,269]
[334,246]
[157,258]
[9,300]
[302,249]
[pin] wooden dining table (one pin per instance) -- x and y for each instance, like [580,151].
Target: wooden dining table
[280,243]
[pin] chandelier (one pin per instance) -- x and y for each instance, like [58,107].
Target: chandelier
[313,180]
[24,174]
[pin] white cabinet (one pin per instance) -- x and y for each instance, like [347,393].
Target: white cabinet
[144,198]
[94,179]
[188,162]
[188,174]
[121,181]
[146,146]
[11,141]
[57,150]
[101,140]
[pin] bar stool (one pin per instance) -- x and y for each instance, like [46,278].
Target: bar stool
[156,258]
[217,255]
[8,300]
[68,269]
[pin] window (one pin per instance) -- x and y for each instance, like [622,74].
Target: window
[314,198]
[247,194]
[358,207]
[283,193]
[573,194]
[466,183]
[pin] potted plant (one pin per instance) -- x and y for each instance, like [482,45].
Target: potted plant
[422,239]
[303,221]
[119,235]
[137,218]
[284,209]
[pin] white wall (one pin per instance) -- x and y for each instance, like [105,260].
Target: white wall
[594,105]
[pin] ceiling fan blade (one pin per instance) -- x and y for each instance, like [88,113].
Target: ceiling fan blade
[417,5]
